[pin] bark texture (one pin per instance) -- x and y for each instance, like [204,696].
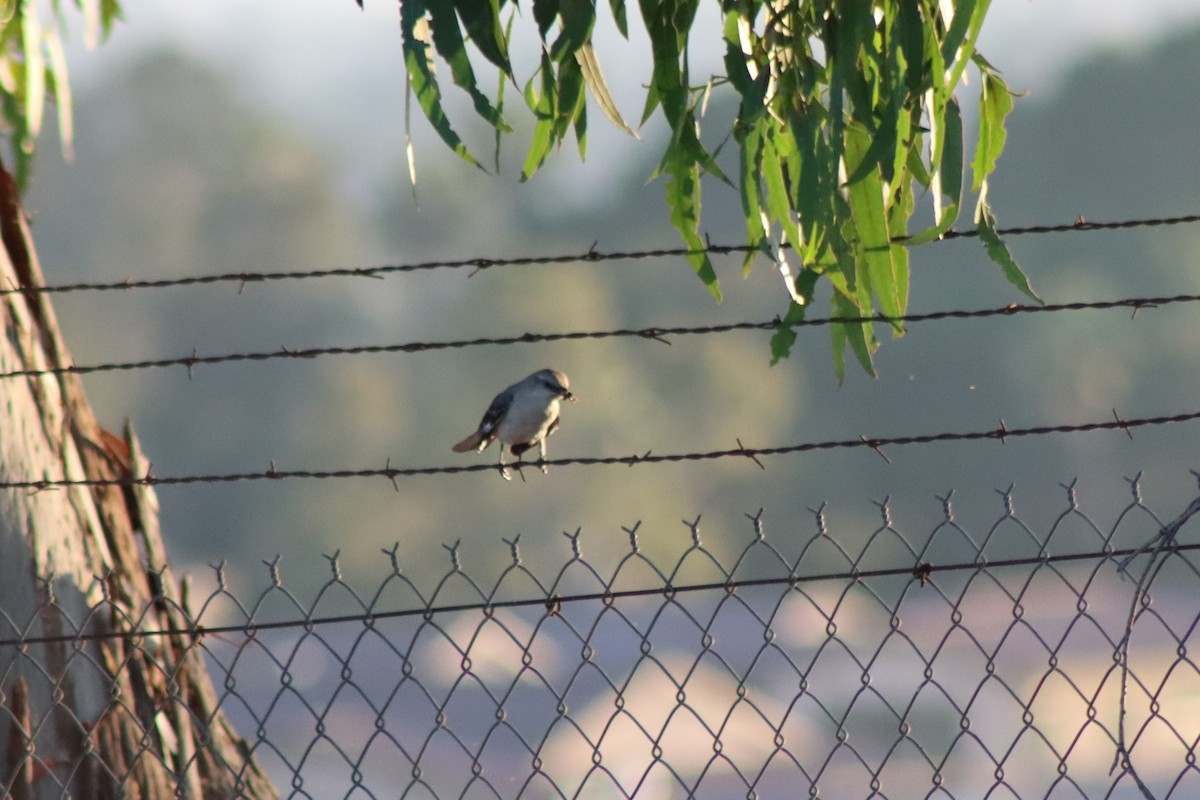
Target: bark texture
[126,717]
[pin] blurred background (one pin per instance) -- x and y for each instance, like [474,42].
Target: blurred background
[221,136]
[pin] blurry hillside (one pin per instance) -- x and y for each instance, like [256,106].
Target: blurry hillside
[177,173]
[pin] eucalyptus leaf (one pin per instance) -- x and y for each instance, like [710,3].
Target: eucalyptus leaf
[870,214]
[448,41]
[481,18]
[680,167]
[586,56]
[995,103]
[415,40]
[618,12]
[998,252]
[61,86]
[35,72]
[578,17]
[846,112]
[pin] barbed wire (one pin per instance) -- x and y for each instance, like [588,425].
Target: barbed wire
[921,571]
[1000,433]
[1080,225]
[654,332]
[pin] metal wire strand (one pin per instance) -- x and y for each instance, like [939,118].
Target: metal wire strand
[657,333]
[1000,433]
[592,255]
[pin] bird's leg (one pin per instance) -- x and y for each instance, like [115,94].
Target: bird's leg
[542,450]
[503,470]
[519,465]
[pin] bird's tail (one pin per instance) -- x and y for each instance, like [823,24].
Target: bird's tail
[470,443]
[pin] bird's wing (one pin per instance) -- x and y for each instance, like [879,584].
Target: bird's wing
[485,434]
[496,412]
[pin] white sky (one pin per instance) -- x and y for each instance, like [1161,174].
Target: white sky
[337,71]
[311,41]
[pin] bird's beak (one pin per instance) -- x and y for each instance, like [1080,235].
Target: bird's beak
[569,396]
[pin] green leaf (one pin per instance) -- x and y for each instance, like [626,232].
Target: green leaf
[947,178]
[908,141]
[870,216]
[581,127]
[586,56]
[110,12]
[22,151]
[778,197]
[570,97]
[970,13]
[680,165]
[618,12]
[750,160]
[418,61]
[852,27]
[837,86]
[909,34]
[915,165]
[950,171]
[806,284]
[578,18]
[447,39]
[785,333]
[882,151]
[545,109]
[899,214]
[815,183]
[998,252]
[501,83]
[857,335]
[544,14]
[61,85]
[35,70]
[540,145]
[481,18]
[995,102]
[668,85]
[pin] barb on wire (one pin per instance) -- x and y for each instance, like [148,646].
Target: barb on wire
[241,278]
[999,433]
[656,333]
[922,572]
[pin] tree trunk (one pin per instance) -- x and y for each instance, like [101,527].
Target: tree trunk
[117,717]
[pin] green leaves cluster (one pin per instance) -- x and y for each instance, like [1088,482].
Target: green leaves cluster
[848,117]
[33,67]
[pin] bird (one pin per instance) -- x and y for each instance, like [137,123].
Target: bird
[521,416]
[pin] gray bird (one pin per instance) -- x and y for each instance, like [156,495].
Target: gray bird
[521,416]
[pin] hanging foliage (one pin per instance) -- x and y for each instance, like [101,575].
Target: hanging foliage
[33,67]
[848,114]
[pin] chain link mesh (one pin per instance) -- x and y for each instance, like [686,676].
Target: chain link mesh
[1009,661]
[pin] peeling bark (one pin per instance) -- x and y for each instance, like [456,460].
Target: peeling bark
[125,717]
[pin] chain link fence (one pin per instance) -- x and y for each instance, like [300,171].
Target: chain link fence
[1005,661]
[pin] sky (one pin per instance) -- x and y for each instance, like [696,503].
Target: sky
[1029,37]
[311,59]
